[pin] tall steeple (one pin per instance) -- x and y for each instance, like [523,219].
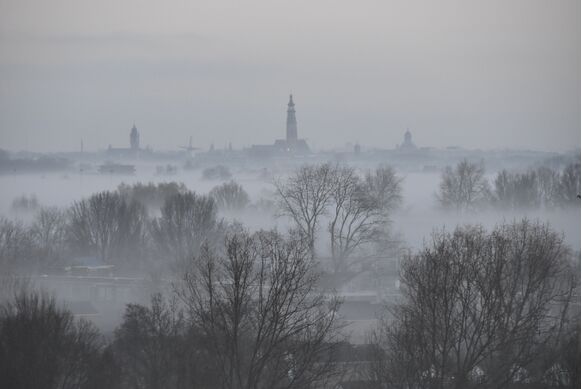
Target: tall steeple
[134,138]
[291,122]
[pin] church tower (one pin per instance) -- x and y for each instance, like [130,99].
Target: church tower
[408,144]
[291,122]
[134,138]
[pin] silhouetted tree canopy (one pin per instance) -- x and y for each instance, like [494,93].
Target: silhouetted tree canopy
[43,346]
[478,308]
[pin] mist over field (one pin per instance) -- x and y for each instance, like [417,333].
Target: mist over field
[415,221]
[290,195]
[136,249]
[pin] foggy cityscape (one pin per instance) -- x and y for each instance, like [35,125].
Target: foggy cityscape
[290,195]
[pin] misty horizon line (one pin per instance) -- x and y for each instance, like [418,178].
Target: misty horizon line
[337,148]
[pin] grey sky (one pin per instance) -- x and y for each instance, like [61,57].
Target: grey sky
[479,74]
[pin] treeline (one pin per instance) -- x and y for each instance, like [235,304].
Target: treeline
[31,165]
[465,187]
[246,315]
[344,213]
[146,226]
[479,309]
[134,228]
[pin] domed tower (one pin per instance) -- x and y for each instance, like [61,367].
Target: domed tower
[291,122]
[408,144]
[134,138]
[407,137]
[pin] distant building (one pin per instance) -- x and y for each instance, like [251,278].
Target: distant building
[407,144]
[134,138]
[127,152]
[291,121]
[290,145]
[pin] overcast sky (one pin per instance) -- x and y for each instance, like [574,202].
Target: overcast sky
[478,74]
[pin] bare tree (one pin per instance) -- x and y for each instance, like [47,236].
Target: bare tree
[568,353]
[155,350]
[502,189]
[385,187]
[570,184]
[187,220]
[151,195]
[42,346]
[12,285]
[548,186]
[477,309]
[345,195]
[230,196]
[305,196]
[109,225]
[49,233]
[534,188]
[518,190]
[258,305]
[360,211]
[394,361]
[527,190]
[558,364]
[463,187]
[16,246]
